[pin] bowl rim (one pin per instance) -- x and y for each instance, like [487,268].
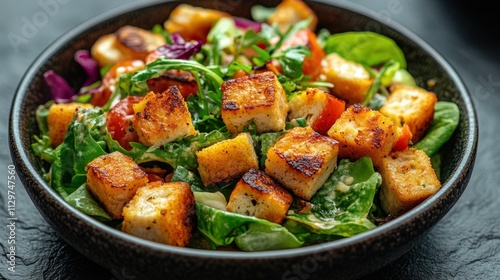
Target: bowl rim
[466,163]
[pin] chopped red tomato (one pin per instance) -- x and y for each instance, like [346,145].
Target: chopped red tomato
[154,177]
[111,77]
[308,39]
[119,121]
[331,112]
[403,139]
[184,80]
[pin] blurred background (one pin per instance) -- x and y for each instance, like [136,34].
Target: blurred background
[464,245]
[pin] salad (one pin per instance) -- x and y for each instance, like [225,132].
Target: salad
[217,132]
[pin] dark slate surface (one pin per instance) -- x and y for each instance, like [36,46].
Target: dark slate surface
[465,244]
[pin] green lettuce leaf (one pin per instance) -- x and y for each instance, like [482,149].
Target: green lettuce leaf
[446,118]
[222,228]
[367,48]
[84,141]
[342,205]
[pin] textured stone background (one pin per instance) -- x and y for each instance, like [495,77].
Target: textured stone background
[464,245]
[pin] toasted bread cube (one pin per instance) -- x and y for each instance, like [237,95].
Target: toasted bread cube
[259,97]
[257,194]
[192,23]
[290,12]
[227,159]
[113,180]
[411,105]
[162,117]
[59,117]
[127,43]
[350,80]
[407,179]
[364,132]
[301,160]
[162,212]
[308,104]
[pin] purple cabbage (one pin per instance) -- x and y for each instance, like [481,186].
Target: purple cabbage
[60,89]
[90,66]
[245,24]
[179,49]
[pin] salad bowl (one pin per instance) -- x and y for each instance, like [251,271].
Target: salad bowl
[130,257]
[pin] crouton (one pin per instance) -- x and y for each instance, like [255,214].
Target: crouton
[364,132]
[257,194]
[301,160]
[162,212]
[307,104]
[319,108]
[290,12]
[59,117]
[407,179]
[113,180]
[259,97]
[192,23]
[227,159]
[410,105]
[127,43]
[350,80]
[162,117]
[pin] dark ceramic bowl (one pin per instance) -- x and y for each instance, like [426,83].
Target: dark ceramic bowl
[130,257]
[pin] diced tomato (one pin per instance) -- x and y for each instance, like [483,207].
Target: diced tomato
[111,77]
[331,112]
[119,121]
[403,140]
[184,80]
[308,39]
[154,177]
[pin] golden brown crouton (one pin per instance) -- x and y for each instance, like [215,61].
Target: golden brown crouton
[127,43]
[113,180]
[162,117]
[192,23]
[301,160]
[364,132]
[256,194]
[307,104]
[407,179]
[162,212]
[350,80]
[227,159]
[59,118]
[410,105]
[290,12]
[259,97]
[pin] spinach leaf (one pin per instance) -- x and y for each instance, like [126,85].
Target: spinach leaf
[82,200]
[367,48]
[342,205]
[181,174]
[84,141]
[446,118]
[249,233]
